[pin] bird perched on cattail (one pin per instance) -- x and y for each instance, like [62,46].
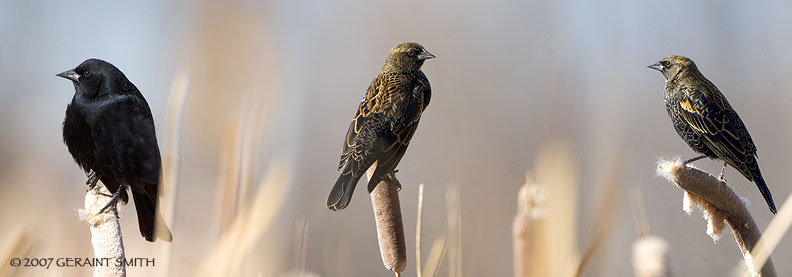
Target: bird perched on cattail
[109,131]
[707,123]
[384,123]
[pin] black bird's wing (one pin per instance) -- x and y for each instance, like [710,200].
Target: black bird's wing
[126,141]
[126,144]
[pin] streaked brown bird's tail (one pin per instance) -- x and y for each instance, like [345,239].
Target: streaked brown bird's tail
[342,192]
[760,183]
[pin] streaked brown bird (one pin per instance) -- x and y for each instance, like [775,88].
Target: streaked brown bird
[384,123]
[707,123]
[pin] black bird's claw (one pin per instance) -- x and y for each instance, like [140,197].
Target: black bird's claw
[113,201]
[92,179]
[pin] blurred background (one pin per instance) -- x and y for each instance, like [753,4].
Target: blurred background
[272,86]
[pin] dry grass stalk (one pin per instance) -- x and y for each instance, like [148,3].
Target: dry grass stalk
[555,239]
[240,146]
[650,257]
[718,202]
[454,210]
[247,228]
[228,177]
[640,215]
[435,256]
[299,256]
[390,230]
[772,236]
[170,163]
[544,227]
[609,202]
[105,232]
[17,243]
[252,119]
[419,221]
[529,201]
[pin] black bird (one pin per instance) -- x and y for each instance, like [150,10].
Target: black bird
[110,134]
[707,123]
[384,123]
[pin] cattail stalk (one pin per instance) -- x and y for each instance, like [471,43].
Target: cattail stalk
[523,227]
[105,232]
[390,230]
[719,203]
[650,255]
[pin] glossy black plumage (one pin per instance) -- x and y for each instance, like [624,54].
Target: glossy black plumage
[385,122]
[707,122]
[109,131]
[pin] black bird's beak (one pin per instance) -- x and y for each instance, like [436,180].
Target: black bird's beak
[69,74]
[656,66]
[425,55]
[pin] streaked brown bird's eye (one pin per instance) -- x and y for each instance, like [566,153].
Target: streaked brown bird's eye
[665,63]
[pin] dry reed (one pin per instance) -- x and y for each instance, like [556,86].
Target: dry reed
[169,185]
[650,256]
[418,223]
[16,243]
[772,236]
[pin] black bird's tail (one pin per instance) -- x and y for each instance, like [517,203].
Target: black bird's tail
[765,191]
[147,214]
[342,192]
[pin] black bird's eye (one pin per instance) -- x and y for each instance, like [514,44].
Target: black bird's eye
[86,73]
[665,63]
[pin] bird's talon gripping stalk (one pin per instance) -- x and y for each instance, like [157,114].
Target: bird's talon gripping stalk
[720,177]
[391,177]
[92,179]
[113,200]
[694,159]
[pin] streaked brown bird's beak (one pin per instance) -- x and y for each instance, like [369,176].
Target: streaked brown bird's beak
[425,55]
[656,66]
[69,74]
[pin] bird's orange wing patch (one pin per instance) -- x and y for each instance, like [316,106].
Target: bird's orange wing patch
[687,106]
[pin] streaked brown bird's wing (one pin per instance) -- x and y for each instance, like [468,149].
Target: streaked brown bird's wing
[406,96]
[384,123]
[352,152]
[706,110]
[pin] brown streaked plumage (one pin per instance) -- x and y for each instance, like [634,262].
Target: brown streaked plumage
[707,122]
[385,122]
